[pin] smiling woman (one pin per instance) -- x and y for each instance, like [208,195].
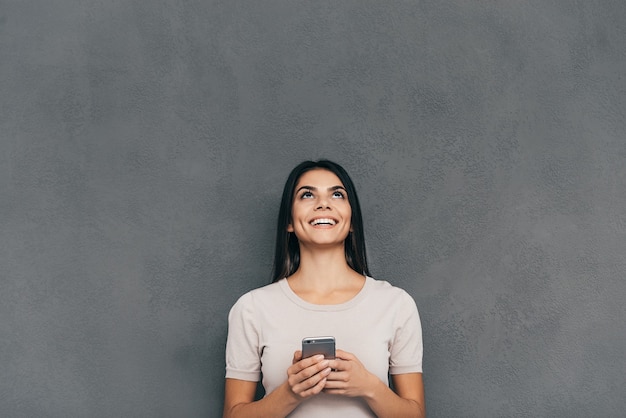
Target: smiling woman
[322,286]
[320,214]
[287,255]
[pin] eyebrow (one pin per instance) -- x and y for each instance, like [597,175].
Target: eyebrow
[333,188]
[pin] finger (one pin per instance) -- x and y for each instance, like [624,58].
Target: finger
[317,388]
[334,391]
[335,387]
[344,355]
[297,356]
[339,364]
[311,385]
[313,360]
[335,376]
[297,367]
[333,384]
[314,369]
[335,364]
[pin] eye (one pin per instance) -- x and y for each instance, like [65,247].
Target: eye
[337,194]
[306,195]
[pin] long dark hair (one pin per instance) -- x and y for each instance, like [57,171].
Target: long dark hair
[287,254]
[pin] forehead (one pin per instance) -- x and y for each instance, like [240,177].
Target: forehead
[319,178]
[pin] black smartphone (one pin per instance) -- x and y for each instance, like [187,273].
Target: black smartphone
[318,345]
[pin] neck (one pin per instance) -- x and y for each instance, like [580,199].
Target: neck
[324,269]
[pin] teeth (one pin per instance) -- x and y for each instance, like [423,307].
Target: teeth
[323,221]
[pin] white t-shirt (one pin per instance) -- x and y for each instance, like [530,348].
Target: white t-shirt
[380,326]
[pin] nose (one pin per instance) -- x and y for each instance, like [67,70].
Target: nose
[323,204]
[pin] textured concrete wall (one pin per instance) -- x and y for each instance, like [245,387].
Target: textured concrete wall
[143,146]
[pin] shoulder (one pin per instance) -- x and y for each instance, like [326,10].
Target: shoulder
[261,295]
[383,288]
[392,296]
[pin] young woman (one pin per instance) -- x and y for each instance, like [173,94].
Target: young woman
[322,287]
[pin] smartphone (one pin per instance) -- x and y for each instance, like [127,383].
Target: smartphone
[318,345]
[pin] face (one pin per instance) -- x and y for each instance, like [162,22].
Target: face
[320,212]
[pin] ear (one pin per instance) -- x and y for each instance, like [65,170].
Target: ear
[289,227]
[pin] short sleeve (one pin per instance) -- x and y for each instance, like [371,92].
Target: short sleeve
[243,358]
[407,347]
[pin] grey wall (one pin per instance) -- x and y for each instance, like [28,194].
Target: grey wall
[144,145]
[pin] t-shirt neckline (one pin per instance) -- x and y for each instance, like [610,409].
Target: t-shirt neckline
[284,286]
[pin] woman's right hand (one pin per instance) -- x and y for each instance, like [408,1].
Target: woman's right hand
[307,377]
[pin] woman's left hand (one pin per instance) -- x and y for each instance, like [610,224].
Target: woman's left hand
[349,377]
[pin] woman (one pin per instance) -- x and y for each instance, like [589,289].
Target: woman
[322,286]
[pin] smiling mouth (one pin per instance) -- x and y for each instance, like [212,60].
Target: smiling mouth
[323,221]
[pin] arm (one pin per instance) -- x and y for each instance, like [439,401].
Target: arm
[352,379]
[407,401]
[239,396]
[305,378]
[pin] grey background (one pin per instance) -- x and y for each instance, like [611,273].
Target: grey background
[144,145]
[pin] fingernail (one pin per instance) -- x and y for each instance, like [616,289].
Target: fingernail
[319,357]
